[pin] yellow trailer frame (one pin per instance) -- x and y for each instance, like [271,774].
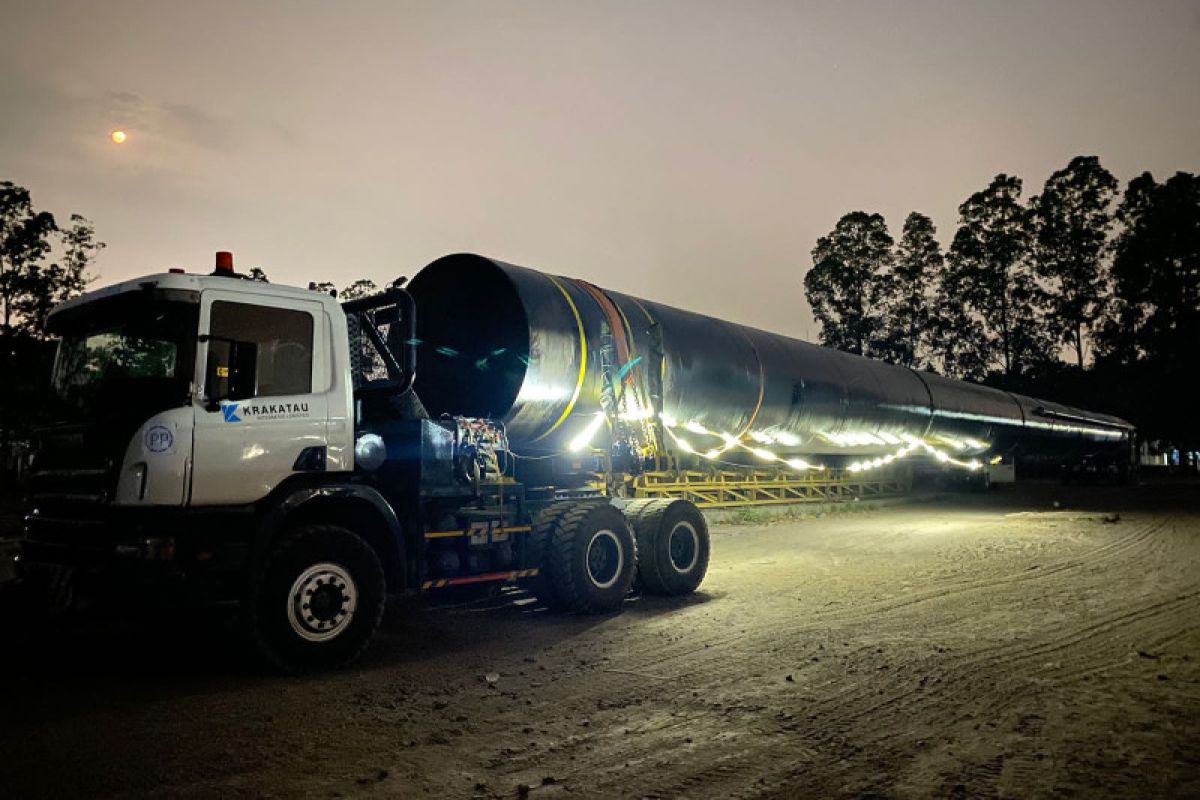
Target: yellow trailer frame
[742,488]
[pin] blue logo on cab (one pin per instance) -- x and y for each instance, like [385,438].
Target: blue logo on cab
[159,439]
[230,412]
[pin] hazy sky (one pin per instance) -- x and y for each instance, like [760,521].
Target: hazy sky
[689,152]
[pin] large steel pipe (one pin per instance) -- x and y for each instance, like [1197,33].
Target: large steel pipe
[524,347]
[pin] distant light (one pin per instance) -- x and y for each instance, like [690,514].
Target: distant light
[119,137]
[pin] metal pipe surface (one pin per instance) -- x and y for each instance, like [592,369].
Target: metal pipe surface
[525,347]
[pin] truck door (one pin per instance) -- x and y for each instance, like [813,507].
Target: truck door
[262,413]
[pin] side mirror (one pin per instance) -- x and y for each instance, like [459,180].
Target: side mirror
[231,372]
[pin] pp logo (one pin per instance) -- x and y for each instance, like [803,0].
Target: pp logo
[159,439]
[230,412]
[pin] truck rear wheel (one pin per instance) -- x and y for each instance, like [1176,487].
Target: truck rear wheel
[672,538]
[316,600]
[536,549]
[590,558]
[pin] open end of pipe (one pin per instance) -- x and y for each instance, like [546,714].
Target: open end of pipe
[474,336]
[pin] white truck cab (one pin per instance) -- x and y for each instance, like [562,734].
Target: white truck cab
[235,384]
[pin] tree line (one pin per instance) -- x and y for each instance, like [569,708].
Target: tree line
[351,291]
[42,263]
[1082,293]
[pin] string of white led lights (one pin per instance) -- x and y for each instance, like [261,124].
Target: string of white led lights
[911,445]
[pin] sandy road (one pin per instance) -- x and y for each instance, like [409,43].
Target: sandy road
[977,646]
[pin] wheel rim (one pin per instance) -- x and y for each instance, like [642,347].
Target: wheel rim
[322,602]
[683,547]
[605,558]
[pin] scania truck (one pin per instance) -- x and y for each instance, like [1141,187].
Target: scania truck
[231,442]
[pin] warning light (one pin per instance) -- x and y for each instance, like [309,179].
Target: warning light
[224,263]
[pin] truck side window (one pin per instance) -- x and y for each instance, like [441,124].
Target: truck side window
[282,338]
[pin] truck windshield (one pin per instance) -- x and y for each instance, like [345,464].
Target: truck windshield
[134,349]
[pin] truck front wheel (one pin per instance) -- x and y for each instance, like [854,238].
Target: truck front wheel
[316,599]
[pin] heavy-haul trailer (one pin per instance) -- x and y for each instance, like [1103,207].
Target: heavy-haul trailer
[267,448]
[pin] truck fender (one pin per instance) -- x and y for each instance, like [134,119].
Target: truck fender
[333,503]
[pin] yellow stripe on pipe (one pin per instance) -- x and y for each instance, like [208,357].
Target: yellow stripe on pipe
[582,361]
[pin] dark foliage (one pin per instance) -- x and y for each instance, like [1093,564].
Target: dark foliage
[1024,288]
[41,264]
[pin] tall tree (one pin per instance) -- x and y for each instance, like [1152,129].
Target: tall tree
[25,241]
[52,283]
[1072,220]
[30,285]
[991,269]
[1156,266]
[848,281]
[1149,339]
[917,263]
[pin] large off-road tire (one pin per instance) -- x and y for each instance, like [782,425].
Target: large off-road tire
[537,546]
[590,558]
[633,511]
[316,599]
[673,547]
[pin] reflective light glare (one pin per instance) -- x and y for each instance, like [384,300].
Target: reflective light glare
[588,433]
[119,137]
[634,411]
[540,392]
[786,439]
[854,439]
[913,443]
[683,443]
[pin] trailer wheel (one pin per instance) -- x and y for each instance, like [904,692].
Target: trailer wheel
[633,511]
[673,542]
[537,546]
[590,558]
[316,599]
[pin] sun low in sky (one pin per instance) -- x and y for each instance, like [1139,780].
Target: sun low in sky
[119,137]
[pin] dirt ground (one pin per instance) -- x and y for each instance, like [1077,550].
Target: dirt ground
[972,646]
